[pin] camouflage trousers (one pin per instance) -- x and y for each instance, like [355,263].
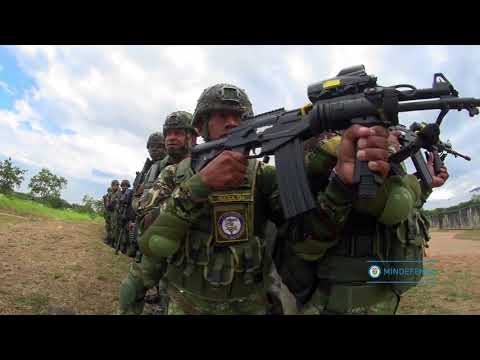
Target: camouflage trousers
[108,226]
[182,303]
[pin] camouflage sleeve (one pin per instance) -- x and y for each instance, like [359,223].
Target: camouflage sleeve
[187,199]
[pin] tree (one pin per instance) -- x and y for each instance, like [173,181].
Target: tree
[10,176]
[47,185]
[92,206]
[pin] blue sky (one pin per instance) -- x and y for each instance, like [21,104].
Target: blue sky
[85,112]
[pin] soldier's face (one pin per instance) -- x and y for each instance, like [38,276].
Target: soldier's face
[176,139]
[124,187]
[221,122]
[156,151]
[114,187]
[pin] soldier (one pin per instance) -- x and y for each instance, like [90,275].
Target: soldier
[123,215]
[112,200]
[211,225]
[178,134]
[151,169]
[119,212]
[332,279]
[107,216]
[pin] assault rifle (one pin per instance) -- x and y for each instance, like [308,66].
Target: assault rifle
[140,176]
[446,148]
[412,140]
[353,97]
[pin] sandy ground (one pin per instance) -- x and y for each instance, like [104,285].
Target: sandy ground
[457,290]
[56,267]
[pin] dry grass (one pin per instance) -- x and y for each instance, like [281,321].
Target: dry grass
[469,235]
[57,267]
[51,266]
[457,286]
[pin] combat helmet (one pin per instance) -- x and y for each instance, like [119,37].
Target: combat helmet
[114,182]
[156,137]
[178,120]
[126,183]
[217,98]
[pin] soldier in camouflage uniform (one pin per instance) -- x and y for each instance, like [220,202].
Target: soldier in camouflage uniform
[121,206]
[211,224]
[111,203]
[178,133]
[106,216]
[332,278]
[156,150]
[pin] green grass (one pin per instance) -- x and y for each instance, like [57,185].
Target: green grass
[29,207]
[36,302]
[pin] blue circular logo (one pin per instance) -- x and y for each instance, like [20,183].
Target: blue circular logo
[374,271]
[232,225]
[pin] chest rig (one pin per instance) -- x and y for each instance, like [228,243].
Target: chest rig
[221,257]
[154,171]
[344,272]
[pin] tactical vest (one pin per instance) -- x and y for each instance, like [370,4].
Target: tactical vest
[343,274]
[222,256]
[154,171]
[147,204]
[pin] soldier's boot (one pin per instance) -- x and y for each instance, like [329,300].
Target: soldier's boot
[274,304]
[132,293]
[131,250]
[164,297]
[123,244]
[153,298]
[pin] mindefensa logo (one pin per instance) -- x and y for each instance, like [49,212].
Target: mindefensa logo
[401,271]
[374,271]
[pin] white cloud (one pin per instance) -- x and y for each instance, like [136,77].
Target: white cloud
[112,97]
[441,194]
[5,86]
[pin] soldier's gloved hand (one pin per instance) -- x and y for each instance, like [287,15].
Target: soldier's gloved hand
[131,226]
[226,171]
[372,147]
[439,179]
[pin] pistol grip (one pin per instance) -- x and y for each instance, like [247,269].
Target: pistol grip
[365,178]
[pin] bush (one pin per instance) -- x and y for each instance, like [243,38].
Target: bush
[47,185]
[56,203]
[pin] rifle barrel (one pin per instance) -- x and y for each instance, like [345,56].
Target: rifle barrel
[420,94]
[453,103]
